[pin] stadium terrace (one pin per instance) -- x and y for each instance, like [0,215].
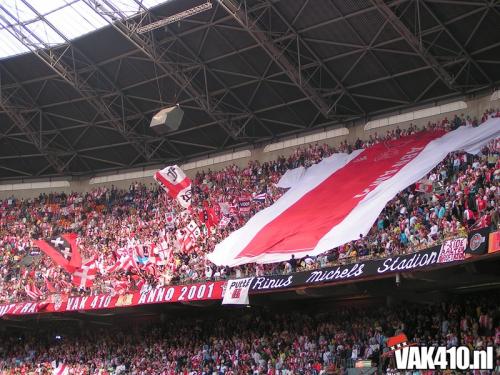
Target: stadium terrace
[249,187]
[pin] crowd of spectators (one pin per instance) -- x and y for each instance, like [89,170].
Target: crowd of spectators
[462,192]
[257,341]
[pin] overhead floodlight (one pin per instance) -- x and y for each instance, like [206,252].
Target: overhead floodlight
[175,18]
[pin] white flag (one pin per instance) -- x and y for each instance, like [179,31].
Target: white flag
[236,292]
[176,183]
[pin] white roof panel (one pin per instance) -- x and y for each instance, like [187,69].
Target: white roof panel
[70,18]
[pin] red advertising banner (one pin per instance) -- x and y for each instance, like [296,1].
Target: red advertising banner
[166,294]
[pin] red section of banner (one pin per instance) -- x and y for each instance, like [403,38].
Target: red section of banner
[166,294]
[301,226]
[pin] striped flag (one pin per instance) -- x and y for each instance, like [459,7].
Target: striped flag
[32,291]
[62,369]
[224,221]
[261,197]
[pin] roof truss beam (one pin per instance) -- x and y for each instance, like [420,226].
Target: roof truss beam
[55,59]
[24,125]
[415,43]
[459,45]
[239,12]
[147,45]
[32,105]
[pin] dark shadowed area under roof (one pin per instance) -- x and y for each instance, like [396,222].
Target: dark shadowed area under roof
[245,72]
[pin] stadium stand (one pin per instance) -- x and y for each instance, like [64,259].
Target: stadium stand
[326,202]
[143,222]
[257,342]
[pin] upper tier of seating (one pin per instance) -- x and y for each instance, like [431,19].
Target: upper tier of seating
[465,193]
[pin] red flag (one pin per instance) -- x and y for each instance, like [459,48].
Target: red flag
[63,250]
[84,277]
[341,197]
[213,216]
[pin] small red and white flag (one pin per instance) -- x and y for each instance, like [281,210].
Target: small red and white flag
[121,287]
[125,263]
[176,184]
[169,220]
[90,263]
[193,229]
[84,277]
[161,253]
[62,369]
[424,186]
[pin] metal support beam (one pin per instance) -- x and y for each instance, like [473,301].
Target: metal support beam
[29,105]
[25,127]
[415,44]
[462,49]
[321,64]
[147,45]
[261,36]
[55,59]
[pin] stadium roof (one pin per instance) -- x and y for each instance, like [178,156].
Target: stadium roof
[243,71]
[71,18]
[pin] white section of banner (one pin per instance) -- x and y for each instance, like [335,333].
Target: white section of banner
[236,292]
[291,177]
[312,178]
[361,219]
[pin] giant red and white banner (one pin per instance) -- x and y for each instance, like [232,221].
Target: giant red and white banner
[166,294]
[340,198]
